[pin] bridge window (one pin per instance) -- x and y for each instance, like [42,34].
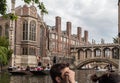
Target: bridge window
[97,53]
[88,53]
[107,53]
[115,53]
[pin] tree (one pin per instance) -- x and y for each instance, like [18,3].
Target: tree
[5,52]
[3,8]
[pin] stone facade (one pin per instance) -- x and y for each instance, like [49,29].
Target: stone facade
[30,34]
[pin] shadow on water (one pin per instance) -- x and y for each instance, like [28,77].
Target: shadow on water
[81,77]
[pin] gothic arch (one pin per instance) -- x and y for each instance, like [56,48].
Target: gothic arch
[106,52]
[80,54]
[97,52]
[32,31]
[88,53]
[115,53]
[25,30]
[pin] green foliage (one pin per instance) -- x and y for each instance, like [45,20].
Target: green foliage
[10,16]
[5,52]
[40,5]
[42,8]
[4,42]
[3,56]
[3,7]
[27,1]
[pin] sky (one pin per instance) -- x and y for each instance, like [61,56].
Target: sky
[98,17]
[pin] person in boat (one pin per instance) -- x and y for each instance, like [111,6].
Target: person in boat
[18,68]
[109,77]
[61,73]
[109,67]
[40,63]
[28,68]
[39,68]
[10,68]
[54,60]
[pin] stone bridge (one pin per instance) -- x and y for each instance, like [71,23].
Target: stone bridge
[80,64]
[85,54]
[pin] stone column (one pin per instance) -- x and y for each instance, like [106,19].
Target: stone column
[92,53]
[12,36]
[101,54]
[110,53]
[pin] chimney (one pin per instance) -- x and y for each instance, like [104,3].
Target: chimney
[79,33]
[86,36]
[69,29]
[58,24]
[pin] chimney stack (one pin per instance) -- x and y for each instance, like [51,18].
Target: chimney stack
[86,36]
[69,29]
[58,24]
[79,33]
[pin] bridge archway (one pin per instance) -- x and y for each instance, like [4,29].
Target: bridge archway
[85,62]
[115,53]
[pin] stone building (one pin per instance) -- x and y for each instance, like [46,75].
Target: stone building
[29,35]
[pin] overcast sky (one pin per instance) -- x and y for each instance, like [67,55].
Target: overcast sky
[99,17]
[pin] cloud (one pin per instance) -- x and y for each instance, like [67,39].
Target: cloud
[99,17]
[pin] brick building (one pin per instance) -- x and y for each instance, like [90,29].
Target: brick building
[34,40]
[59,41]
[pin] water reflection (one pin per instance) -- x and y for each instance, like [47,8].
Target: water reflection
[81,76]
[30,79]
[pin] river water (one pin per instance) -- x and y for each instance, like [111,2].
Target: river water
[82,76]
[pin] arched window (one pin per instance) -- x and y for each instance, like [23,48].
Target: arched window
[25,30]
[107,52]
[0,31]
[32,31]
[97,52]
[7,30]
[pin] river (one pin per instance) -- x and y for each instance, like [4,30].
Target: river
[81,76]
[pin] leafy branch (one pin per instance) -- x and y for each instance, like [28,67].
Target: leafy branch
[3,8]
